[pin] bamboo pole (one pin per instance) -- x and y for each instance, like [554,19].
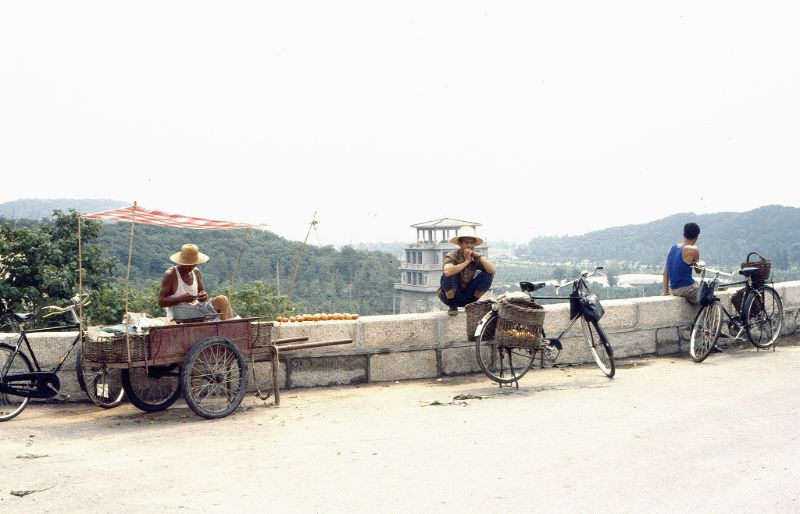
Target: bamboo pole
[128,286]
[311,225]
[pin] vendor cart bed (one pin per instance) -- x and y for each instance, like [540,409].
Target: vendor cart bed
[206,361]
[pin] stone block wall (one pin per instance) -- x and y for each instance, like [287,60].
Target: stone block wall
[411,346]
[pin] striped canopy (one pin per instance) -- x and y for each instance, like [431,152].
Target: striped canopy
[136,214]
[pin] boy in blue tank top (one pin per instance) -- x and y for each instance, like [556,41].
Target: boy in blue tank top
[681,260]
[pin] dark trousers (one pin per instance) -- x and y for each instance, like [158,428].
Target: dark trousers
[480,282]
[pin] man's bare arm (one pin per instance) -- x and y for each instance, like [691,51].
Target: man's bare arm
[487,265]
[691,256]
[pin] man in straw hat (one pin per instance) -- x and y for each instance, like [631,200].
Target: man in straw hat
[182,291]
[466,274]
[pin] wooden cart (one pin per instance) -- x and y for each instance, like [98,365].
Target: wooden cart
[206,361]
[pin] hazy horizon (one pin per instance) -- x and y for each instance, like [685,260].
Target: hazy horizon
[313,240]
[534,119]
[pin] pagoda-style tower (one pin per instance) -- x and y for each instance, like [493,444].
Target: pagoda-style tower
[422,269]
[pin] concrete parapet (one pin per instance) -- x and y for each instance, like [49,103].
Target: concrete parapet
[407,346]
[403,365]
[390,332]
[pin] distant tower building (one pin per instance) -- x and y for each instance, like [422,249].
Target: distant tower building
[420,273]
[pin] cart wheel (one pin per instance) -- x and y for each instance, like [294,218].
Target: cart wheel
[214,378]
[154,388]
[104,387]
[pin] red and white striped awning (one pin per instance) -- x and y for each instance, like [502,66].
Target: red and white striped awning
[136,214]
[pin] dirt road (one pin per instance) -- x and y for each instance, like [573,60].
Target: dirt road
[665,435]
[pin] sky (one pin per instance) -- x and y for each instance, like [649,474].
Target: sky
[531,118]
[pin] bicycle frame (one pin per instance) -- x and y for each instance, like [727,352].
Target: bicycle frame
[575,310]
[748,290]
[43,384]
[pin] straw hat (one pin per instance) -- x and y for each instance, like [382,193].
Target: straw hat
[467,232]
[189,255]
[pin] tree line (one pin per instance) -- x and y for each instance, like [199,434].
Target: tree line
[256,269]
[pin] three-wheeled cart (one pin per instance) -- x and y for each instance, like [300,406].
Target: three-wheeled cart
[206,361]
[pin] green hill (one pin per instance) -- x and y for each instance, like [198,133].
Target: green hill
[725,239]
[329,280]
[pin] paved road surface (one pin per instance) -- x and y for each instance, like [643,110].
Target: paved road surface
[666,435]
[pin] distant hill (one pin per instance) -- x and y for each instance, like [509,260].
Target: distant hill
[37,209]
[725,239]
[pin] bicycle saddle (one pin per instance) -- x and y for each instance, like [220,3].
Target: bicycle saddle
[21,317]
[529,287]
[749,272]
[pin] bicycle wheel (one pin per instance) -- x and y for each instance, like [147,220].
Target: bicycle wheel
[503,364]
[705,331]
[103,386]
[11,404]
[154,388]
[762,315]
[214,378]
[599,347]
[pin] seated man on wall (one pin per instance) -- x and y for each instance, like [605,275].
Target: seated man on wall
[682,258]
[466,274]
[182,291]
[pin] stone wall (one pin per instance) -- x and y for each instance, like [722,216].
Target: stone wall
[409,346]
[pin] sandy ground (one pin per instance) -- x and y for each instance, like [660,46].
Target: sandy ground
[665,435]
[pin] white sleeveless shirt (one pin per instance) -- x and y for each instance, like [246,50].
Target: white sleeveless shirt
[184,288]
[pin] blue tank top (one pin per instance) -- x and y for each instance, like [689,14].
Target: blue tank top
[680,273]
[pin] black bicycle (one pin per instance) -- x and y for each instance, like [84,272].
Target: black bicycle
[22,377]
[506,364]
[760,316]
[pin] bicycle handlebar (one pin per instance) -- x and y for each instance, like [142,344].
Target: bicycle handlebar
[716,271]
[79,300]
[583,276]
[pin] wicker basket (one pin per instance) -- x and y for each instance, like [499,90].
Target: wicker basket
[115,349]
[519,325]
[261,332]
[763,265]
[475,312]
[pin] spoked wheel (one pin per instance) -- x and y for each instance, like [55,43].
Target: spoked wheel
[599,346]
[153,388]
[214,378]
[762,314]
[102,385]
[503,364]
[705,331]
[11,405]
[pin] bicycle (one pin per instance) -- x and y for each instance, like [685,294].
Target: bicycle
[761,316]
[584,306]
[22,377]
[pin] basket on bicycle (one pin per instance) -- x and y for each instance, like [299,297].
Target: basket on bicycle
[520,324]
[475,312]
[261,332]
[763,265]
[114,349]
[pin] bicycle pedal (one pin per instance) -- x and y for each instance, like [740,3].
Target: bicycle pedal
[62,397]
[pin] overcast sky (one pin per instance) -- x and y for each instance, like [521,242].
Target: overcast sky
[532,118]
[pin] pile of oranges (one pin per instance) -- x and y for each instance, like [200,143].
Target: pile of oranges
[323,316]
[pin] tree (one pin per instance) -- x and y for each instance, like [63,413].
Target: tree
[612,269]
[39,264]
[256,300]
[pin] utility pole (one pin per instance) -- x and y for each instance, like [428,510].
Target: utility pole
[311,225]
